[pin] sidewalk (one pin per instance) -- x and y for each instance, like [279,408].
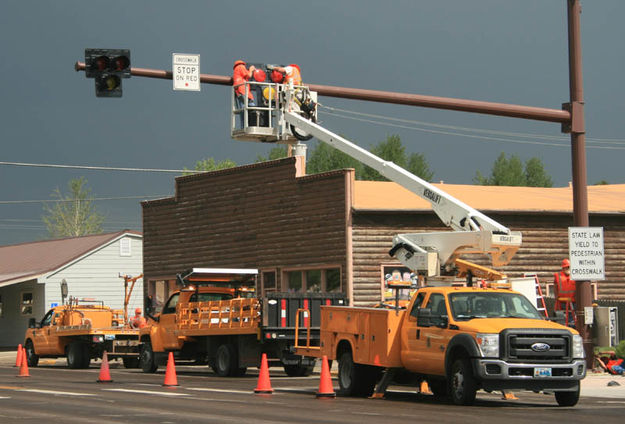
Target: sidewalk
[594,385]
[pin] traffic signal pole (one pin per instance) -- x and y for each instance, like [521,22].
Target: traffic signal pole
[571,116]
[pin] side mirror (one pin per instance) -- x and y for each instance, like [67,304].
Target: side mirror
[442,321]
[32,323]
[424,317]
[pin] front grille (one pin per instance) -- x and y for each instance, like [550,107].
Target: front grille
[517,345]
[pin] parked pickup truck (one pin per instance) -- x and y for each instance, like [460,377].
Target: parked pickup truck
[217,318]
[81,330]
[460,339]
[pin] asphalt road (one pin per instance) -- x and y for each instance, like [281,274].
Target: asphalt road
[55,394]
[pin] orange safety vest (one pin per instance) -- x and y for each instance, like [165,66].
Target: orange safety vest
[564,288]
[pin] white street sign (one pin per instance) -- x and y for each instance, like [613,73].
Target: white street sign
[186,71]
[586,253]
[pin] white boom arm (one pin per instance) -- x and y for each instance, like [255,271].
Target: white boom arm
[474,231]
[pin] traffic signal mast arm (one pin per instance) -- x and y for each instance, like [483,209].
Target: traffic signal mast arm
[473,232]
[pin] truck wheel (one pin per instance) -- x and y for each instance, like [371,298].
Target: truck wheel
[298,370]
[31,358]
[568,398]
[86,356]
[130,362]
[75,355]
[355,379]
[226,361]
[462,385]
[146,359]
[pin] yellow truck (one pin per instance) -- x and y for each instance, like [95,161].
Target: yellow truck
[79,331]
[459,339]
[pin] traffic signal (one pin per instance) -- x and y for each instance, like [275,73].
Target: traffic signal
[107,67]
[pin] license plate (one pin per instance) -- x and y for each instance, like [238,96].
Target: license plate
[109,337]
[542,372]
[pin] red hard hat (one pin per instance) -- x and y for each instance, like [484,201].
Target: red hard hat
[137,311]
[237,63]
[566,263]
[295,66]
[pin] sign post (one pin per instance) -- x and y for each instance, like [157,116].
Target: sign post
[186,72]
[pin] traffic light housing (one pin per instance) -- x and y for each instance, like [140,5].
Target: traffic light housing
[108,67]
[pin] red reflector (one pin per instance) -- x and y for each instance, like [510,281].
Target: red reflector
[283,313]
[267,336]
[260,75]
[306,313]
[328,302]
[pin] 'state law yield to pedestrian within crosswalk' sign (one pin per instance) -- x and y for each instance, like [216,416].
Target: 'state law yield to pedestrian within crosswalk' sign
[586,253]
[186,71]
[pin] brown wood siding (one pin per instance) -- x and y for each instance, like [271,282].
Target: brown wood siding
[255,216]
[545,244]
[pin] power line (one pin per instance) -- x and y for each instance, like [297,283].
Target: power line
[12,202]
[413,123]
[100,168]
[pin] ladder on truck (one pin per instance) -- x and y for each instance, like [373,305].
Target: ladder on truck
[540,298]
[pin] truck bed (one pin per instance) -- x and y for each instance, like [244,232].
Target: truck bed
[372,332]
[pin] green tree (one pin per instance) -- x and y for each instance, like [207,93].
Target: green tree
[535,174]
[277,152]
[324,158]
[73,214]
[601,182]
[209,164]
[512,172]
[417,165]
[391,150]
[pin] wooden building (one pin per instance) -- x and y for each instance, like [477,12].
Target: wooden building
[328,232]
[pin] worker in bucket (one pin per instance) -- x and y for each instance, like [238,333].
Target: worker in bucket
[138,321]
[240,75]
[293,78]
[292,73]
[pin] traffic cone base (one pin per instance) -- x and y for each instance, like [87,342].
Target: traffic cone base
[264,384]
[170,373]
[105,375]
[325,382]
[424,388]
[24,367]
[18,358]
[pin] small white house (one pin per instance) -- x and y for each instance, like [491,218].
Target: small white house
[31,275]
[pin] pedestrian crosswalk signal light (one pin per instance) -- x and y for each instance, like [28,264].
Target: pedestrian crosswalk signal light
[107,67]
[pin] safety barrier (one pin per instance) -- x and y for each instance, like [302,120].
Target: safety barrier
[233,313]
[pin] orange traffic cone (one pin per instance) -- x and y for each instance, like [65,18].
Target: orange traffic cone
[18,358]
[105,375]
[24,366]
[424,388]
[170,372]
[376,361]
[264,385]
[325,383]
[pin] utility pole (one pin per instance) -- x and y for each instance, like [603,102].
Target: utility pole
[571,116]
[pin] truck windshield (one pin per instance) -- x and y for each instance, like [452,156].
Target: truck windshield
[466,306]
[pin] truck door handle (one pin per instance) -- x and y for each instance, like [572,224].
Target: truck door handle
[418,333]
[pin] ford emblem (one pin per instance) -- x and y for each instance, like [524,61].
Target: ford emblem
[540,347]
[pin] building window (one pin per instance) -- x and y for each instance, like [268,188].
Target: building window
[125,247]
[26,304]
[158,292]
[268,281]
[315,280]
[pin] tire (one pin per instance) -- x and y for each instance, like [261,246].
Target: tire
[130,361]
[568,398]
[86,356]
[146,358]
[298,370]
[75,355]
[32,359]
[462,384]
[356,379]
[226,361]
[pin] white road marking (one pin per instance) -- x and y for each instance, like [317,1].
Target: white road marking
[204,389]
[56,392]
[146,392]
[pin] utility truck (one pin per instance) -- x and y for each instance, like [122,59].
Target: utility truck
[217,317]
[459,339]
[82,330]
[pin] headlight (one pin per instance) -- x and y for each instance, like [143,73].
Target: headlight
[488,344]
[578,346]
